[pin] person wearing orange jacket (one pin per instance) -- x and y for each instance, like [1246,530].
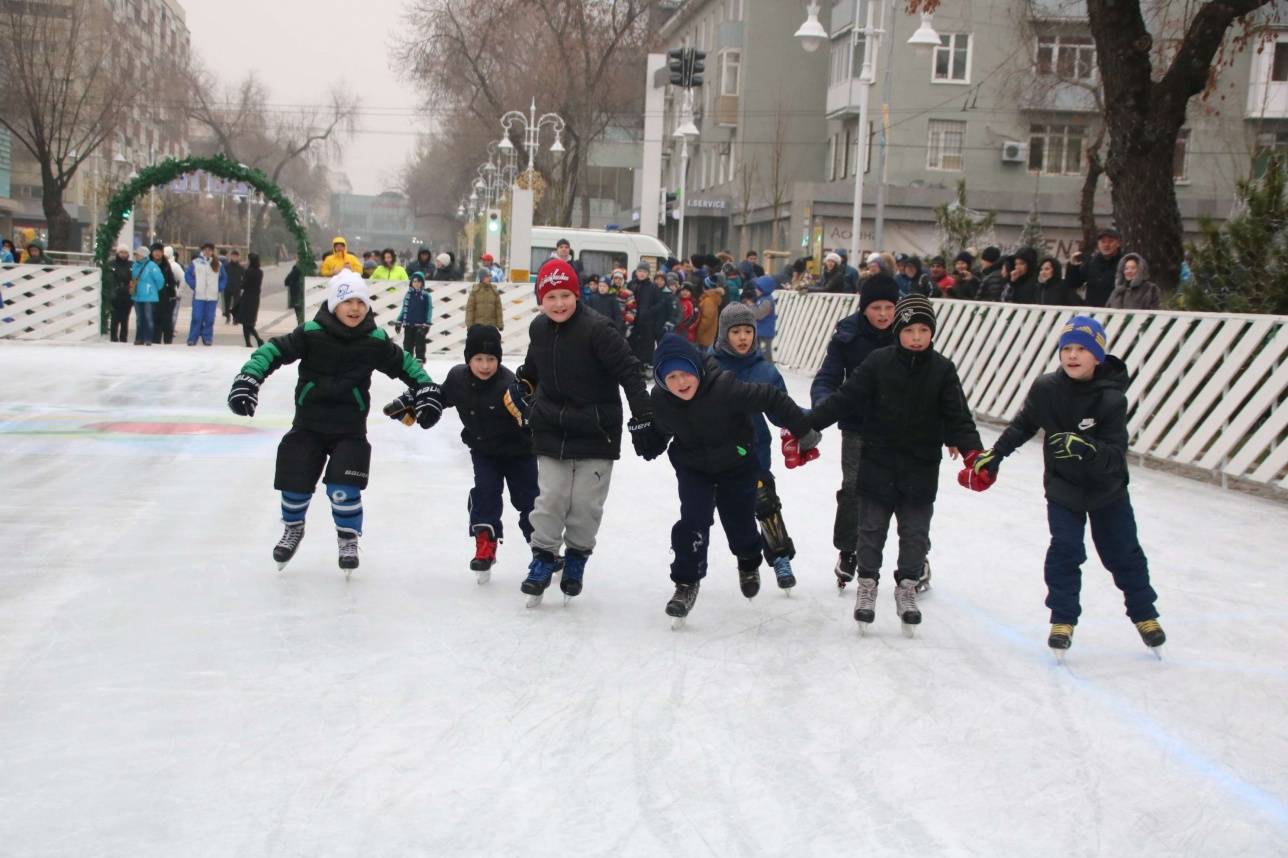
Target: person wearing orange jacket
[709,314]
[340,259]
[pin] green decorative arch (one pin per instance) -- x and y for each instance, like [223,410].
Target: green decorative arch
[166,172]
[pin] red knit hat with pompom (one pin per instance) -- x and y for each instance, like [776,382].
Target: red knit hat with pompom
[556,274]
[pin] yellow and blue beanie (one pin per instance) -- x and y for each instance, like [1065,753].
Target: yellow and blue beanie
[1086,332]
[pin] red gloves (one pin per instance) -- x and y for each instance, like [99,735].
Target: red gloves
[793,455]
[979,470]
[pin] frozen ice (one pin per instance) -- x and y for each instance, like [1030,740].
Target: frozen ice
[165,691]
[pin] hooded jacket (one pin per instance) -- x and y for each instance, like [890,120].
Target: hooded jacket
[487,425]
[853,339]
[334,263]
[424,263]
[714,432]
[333,391]
[148,281]
[1055,292]
[483,306]
[709,306]
[417,306]
[396,272]
[1025,289]
[766,307]
[1141,293]
[1096,410]
[752,368]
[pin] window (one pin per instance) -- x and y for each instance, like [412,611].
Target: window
[831,158]
[1056,150]
[1279,66]
[730,65]
[601,262]
[847,168]
[847,54]
[1181,162]
[952,58]
[723,170]
[1067,57]
[944,144]
[733,10]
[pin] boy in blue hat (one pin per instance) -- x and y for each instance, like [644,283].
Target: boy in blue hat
[1082,409]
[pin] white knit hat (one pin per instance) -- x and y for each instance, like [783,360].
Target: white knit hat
[833,257]
[345,285]
[443,260]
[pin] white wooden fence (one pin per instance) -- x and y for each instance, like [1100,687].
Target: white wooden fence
[50,302]
[1208,391]
[447,331]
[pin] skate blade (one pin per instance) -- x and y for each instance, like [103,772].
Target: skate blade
[863,628]
[677,623]
[533,601]
[348,574]
[787,591]
[567,600]
[909,630]
[484,576]
[1059,655]
[1157,651]
[281,564]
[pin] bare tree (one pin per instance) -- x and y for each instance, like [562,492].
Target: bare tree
[745,181]
[776,178]
[64,93]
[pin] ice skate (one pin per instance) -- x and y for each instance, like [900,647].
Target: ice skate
[484,555]
[783,574]
[574,568]
[540,571]
[290,541]
[1152,635]
[865,603]
[1060,639]
[923,583]
[847,563]
[348,551]
[905,600]
[749,581]
[681,603]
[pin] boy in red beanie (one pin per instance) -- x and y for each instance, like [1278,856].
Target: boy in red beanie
[566,393]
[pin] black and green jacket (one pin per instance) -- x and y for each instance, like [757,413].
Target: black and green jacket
[333,393]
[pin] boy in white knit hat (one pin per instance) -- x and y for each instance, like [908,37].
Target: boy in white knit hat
[338,350]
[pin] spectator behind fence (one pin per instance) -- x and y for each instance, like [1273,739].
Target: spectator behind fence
[9,253]
[339,259]
[246,310]
[833,278]
[992,279]
[1023,288]
[1096,276]
[1134,289]
[483,305]
[1051,286]
[389,269]
[965,282]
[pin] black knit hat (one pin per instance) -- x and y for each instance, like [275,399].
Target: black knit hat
[878,287]
[914,310]
[482,340]
[991,254]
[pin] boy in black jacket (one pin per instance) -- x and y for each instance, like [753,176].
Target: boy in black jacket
[1082,409]
[912,403]
[705,414]
[500,449]
[338,350]
[566,391]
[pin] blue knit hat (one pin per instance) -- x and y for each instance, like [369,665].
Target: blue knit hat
[1086,332]
[674,353]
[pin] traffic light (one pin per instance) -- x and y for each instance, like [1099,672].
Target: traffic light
[675,65]
[671,199]
[494,221]
[697,66]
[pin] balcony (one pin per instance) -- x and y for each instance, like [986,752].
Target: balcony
[725,111]
[844,98]
[1048,94]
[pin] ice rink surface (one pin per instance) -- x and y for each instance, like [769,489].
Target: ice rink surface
[165,691]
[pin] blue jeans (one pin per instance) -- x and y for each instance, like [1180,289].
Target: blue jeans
[1113,530]
[203,322]
[144,312]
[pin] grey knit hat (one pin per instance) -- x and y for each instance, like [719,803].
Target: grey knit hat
[731,317]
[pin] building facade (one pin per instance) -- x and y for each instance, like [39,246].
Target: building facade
[376,222]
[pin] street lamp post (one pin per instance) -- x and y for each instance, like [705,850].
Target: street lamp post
[684,131]
[531,125]
[521,199]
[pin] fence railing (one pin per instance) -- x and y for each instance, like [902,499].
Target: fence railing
[50,302]
[1207,391]
[447,330]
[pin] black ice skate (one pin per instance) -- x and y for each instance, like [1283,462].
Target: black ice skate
[285,548]
[681,603]
[484,555]
[905,600]
[749,576]
[348,541]
[865,603]
[1060,639]
[847,562]
[1152,634]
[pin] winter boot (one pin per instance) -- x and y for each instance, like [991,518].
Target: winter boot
[484,551]
[1061,637]
[290,541]
[905,600]
[348,540]
[540,571]
[749,575]
[1152,634]
[683,600]
[574,567]
[865,604]
[783,572]
[846,564]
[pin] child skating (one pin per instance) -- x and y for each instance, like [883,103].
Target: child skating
[416,314]
[338,351]
[912,405]
[1081,408]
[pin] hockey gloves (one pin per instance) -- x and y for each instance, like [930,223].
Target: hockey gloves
[1070,445]
[518,400]
[428,403]
[397,327]
[799,451]
[648,441]
[403,408]
[979,470]
[244,395]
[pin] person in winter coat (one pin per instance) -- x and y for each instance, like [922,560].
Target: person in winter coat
[295,292]
[669,311]
[500,449]
[35,254]
[1023,288]
[416,315]
[444,267]
[766,312]
[146,282]
[648,313]
[833,279]
[168,312]
[605,303]
[339,259]
[121,303]
[1051,286]
[424,263]
[749,269]
[233,272]
[1098,273]
[854,338]
[709,305]
[915,280]
[488,262]
[1134,289]
[703,418]
[246,312]
[965,282]
[939,276]
[483,304]
[687,326]
[912,404]
[9,253]
[338,351]
[1081,408]
[992,279]
[389,269]
[207,283]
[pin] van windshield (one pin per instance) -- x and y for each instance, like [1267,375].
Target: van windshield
[601,262]
[539,257]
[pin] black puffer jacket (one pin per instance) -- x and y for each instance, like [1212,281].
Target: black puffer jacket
[121,269]
[852,341]
[1096,410]
[991,283]
[333,393]
[1097,273]
[714,433]
[489,428]
[576,367]
[912,405]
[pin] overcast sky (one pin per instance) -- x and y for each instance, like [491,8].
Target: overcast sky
[300,48]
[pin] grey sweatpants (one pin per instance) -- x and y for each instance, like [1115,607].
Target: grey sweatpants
[570,504]
[914,536]
[845,531]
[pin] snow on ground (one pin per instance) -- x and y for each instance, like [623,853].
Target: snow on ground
[165,691]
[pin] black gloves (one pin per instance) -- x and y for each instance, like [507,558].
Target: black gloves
[518,400]
[244,395]
[646,438]
[428,404]
[403,408]
[1071,445]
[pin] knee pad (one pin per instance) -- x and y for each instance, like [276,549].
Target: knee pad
[346,507]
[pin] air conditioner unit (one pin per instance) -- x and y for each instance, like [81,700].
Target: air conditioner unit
[1014,152]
